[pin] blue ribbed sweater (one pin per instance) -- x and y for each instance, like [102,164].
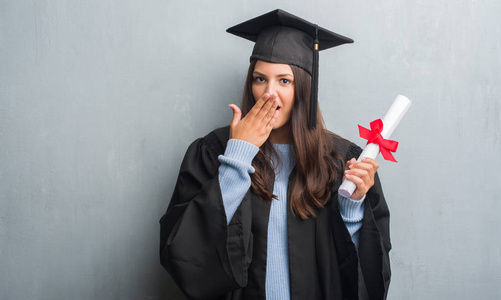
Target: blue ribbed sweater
[235,181]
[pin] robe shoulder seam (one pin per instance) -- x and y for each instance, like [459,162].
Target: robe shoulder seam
[216,140]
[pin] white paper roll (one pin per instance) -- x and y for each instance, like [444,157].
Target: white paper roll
[390,122]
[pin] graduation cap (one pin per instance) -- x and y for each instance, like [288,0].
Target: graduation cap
[281,37]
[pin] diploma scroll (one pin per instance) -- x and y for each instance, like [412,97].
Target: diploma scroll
[390,122]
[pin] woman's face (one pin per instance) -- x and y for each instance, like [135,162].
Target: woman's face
[275,79]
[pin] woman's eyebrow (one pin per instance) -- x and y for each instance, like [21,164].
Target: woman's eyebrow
[258,73]
[279,75]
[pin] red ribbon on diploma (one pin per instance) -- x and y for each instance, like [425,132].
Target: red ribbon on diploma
[374,136]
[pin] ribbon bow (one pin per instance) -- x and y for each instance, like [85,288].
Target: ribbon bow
[374,136]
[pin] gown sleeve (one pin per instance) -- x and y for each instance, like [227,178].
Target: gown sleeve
[374,238]
[196,243]
[374,242]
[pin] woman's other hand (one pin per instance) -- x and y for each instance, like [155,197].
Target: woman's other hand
[256,126]
[362,175]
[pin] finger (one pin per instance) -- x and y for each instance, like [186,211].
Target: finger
[357,181]
[361,173]
[369,167]
[367,176]
[371,161]
[274,104]
[270,124]
[259,104]
[270,113]
[349,164]
[363,166]
[264,114]
[237,113]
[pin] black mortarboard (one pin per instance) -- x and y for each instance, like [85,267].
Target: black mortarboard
[281,37]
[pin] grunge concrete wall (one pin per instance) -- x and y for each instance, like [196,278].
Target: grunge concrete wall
[100,99]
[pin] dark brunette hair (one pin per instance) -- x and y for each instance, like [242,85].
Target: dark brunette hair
[317,165]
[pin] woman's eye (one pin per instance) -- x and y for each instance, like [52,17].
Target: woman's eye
[259,79]
[285,81]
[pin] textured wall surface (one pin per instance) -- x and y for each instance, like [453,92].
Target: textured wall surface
[100,99]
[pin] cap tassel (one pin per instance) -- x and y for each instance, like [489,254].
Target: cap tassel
[314,84]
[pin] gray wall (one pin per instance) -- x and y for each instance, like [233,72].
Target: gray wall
[99,100]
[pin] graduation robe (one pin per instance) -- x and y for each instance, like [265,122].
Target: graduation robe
[209,259]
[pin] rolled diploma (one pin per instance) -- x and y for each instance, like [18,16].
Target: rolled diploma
[390,122]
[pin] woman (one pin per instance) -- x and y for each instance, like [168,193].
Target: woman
[255,213]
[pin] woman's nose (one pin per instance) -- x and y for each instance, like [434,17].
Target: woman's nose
[270,89]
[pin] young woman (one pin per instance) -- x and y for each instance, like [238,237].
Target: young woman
[255,213]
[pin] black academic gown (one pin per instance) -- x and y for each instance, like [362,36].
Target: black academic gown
[209,259]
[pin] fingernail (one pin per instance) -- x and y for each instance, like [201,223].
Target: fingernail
[350,166]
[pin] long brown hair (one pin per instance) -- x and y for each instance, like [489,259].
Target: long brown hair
[317,166]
